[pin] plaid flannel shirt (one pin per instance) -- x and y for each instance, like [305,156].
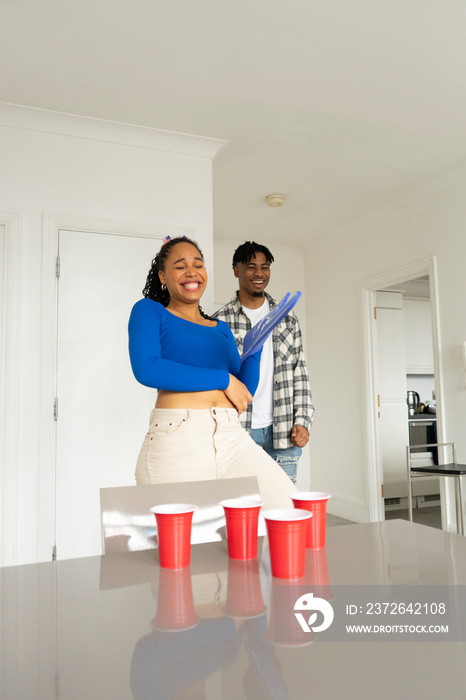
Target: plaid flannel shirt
[292,400]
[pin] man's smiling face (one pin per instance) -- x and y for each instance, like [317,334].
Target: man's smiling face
[254,275]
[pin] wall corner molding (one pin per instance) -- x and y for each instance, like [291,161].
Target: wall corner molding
[10,276]
[72,125]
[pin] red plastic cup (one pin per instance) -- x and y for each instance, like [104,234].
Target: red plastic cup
[174,522]
[242,524]
[175,605]
[286,531]
[244,594]
[316,503]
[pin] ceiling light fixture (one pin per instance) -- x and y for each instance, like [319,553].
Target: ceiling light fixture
[275,200]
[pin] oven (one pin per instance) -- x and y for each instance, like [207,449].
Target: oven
[423,431]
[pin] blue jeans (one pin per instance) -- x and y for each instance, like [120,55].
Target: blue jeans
[287,458]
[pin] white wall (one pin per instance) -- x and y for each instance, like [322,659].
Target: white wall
[431,221]
[89,170]
[74,167]
[287,275]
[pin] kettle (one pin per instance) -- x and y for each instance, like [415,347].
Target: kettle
[413,400]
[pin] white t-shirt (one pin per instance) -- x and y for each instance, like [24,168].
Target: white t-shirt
[263,398]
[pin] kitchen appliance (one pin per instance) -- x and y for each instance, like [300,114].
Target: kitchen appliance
[413,400]
[423,431]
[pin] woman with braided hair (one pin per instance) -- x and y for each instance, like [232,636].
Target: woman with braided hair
[202,386]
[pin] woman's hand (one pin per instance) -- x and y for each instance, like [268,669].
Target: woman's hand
[238,394]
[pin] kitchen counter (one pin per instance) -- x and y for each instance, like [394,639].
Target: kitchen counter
[422,416]
[99,627]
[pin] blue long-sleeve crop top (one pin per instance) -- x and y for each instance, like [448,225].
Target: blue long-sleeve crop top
[168,352]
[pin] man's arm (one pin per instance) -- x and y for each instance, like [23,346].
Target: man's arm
[303,410]
[238,322]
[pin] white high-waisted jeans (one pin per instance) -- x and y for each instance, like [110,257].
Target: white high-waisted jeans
[199,444]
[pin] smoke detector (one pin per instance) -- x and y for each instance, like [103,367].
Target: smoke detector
[275,200]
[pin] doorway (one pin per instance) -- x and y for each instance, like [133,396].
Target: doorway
[396,437]
[99,415]
[406,397]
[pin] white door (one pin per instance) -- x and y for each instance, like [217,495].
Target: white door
[103,412]
[393,423]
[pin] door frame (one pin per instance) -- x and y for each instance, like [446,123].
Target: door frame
[374,466]
[52,224]
[10,325]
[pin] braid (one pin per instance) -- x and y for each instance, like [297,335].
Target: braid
[153,288]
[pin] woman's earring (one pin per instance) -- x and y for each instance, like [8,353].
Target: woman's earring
[164,286]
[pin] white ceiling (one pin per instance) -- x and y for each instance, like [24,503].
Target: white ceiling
[341,105]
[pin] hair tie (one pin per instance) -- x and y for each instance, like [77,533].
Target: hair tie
[168,238]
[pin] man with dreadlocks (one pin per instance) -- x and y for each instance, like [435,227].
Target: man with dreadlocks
[280,417]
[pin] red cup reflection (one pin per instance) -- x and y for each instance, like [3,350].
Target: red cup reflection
[175,604]
[284,628]
[316,503]
[316,573]
[244,595]
[174,522]
[286,532]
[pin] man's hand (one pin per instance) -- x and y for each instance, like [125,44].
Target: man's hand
[299,436]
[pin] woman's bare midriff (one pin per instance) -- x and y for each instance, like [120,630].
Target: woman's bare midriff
[192,399]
